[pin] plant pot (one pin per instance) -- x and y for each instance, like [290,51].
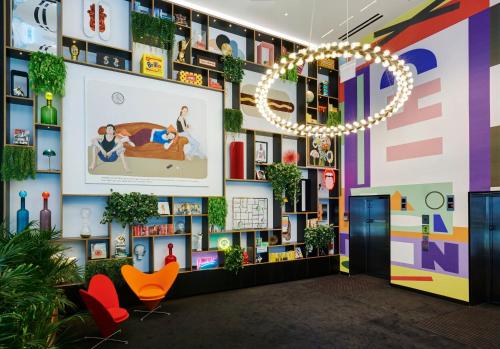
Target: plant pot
[236,160]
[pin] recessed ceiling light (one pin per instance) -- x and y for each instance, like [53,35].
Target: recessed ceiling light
[286,14]
[368,5]
[328,32]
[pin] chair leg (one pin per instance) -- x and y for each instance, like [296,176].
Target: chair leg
[149,312]
[107,339]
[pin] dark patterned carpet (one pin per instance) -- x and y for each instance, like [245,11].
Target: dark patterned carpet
[329,312]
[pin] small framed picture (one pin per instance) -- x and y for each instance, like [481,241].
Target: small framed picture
[260,175]
[261,152]
[19,84]
[98,249]
[163,208]
[286,233]
[324,212]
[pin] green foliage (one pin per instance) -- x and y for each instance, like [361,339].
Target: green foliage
[334,118]
[217,211]
[110,267]
[152,31]
[285,180]
[18,163]
[233,259]
[233,68]
[233,119]
[319,236]
[32,264]
[291,74]
[47,73]
[133,208]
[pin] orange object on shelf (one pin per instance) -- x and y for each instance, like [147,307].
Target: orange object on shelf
[190,78]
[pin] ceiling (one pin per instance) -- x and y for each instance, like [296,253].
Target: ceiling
[292,18]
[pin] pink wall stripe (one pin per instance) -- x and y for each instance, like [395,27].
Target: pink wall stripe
[411,113]
[414,150]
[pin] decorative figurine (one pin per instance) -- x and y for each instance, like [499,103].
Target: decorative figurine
[22,214]
[45,214]
[245,257]
[197,239]
[180,228]
[120,246]
[49,113]
[170,258]
[75,51]
[183,44]
[139,251]
[85,231]
[49,153]
[18,92]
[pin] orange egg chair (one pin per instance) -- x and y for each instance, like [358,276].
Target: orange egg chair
[151,288]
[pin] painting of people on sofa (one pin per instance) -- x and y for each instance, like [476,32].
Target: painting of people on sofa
[133,132]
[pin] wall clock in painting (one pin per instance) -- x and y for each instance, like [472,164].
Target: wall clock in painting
[97,19]
[34,25]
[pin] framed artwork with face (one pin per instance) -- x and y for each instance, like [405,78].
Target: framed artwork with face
[261,152]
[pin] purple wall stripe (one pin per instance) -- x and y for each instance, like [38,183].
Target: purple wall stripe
[366,74]
[479,101]
[350,143]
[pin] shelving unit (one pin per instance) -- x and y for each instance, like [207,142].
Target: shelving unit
[199,46]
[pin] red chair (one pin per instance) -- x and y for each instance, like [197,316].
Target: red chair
[102,302]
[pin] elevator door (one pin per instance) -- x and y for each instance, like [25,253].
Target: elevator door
[484,245]
[369,226]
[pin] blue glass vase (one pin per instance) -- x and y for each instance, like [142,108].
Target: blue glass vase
[23,215]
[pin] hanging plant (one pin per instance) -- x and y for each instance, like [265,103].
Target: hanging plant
[110,267]
[152,31]
[18,163]
[233,259]
[290,74]
[217,211]
[47,73]
[133,208]
[233,119]
[333,119]
[285,180]
[233,69]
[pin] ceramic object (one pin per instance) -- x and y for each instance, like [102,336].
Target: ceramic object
[170,258]
[22,214]
[45,214]
[85,232]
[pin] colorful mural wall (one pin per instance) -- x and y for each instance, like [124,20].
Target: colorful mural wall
[444,142]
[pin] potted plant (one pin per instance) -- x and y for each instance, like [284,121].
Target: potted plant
[153,31]
[32,269]
[47,73]
[18,163]
[233,119]
[233,68]
[318,237]
[290,74]
[110,267]
[285,180]
[133,208]
[334,118]
[233,259]
[217,212]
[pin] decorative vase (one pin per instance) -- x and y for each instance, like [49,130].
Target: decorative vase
[45,214]
[85,231]
[48,112]
[22,214]
[236,161]
[170,258]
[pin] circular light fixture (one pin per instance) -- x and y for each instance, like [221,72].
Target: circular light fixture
[396,66]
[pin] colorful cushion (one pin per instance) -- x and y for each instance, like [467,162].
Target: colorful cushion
[152,292]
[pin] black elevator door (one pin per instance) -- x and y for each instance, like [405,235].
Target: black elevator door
[484,245]
[369,226]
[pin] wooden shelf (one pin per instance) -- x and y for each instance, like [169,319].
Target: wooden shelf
[49,171]
[19,100]
[39,126]
[77,238]
[18,53]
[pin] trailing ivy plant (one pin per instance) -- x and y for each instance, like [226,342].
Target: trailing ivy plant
[333,118]
[233,68]
[233,259]
[217,211]
[153,31]
[291,74]
[285,180]
[47,73]
[18,163]
[110,267]
[319,236]
[233,119]
[133,208]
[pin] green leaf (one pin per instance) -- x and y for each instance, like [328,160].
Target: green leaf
[18,163]
[285,180]
[233,259]
[217,211]
[152,31]
[47,73]
[233,69]
[233,119]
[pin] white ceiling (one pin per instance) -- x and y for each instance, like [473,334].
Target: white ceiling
[292,18]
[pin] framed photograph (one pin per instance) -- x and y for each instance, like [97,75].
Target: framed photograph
[324,212]
[163,208]
[98,249]
[21,137]
[261,152]
[286,234]
[260,175]
[19,84]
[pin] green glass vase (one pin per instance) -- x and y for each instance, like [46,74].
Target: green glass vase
[48,112]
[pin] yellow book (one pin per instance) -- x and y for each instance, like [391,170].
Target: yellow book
[152,65]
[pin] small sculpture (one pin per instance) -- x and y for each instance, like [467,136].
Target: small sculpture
[45,214]
[75,51]
[85,231]
[170,258]
[139,251]
[309,96]
[22,213]
[245,257]
[183,44]
[18,92]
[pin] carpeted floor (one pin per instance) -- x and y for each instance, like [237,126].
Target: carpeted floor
[329,312]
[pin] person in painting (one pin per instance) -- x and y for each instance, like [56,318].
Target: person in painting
[108,148]
[164,137]
[184,130]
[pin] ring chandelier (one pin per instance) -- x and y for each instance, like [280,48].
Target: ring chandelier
[396,66]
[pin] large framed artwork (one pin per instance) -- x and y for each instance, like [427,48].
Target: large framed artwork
[140,132]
